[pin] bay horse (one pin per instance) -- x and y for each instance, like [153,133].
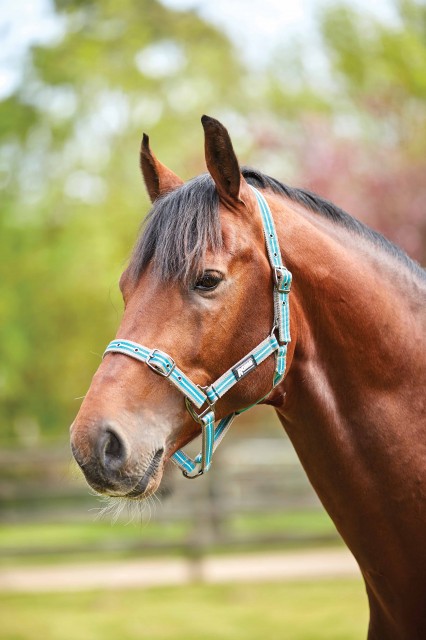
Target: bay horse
[342,361]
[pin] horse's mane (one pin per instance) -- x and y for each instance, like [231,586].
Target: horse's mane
[185,222]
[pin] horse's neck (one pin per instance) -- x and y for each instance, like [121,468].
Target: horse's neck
[353,399]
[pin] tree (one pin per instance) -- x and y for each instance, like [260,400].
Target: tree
[357,135]
[73,200]
[376,165]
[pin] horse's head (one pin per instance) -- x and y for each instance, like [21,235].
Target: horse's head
[198,288]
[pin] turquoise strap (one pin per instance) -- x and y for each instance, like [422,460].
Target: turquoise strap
[211,437]
[193,468]
[282,276]
[161,363]
[218,389]
[280,363]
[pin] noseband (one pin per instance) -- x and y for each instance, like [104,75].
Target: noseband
[201,401]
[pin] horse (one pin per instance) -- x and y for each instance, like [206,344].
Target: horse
[340,358]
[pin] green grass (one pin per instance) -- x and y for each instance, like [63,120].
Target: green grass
[48,535]
[52,542]
[49,542]
[321,610]
[291,523]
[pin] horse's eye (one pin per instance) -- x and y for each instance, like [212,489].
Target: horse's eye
[208,281]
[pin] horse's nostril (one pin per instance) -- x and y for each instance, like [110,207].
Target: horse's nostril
[112,450]
[113,447]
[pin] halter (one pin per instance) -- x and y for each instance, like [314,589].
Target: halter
[201,401]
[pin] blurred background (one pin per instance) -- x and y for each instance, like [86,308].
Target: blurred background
[319,94]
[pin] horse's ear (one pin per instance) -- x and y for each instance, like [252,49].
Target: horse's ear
[158,178]
[222,163]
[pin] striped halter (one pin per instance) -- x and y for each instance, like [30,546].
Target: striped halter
[201,401]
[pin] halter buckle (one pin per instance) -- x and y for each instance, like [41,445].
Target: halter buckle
[158,368]
[282,283]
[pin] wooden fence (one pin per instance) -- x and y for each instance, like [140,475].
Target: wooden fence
[243,500]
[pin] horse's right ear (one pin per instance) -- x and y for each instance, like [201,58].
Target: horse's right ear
[158,178]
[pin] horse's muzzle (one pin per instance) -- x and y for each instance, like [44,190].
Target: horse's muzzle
[111,467]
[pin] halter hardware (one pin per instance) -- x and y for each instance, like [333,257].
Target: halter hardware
[197,396]
[198,417]
[169,367]
[281,279]
[197,475]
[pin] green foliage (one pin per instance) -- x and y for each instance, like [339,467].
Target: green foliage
[380,90]
[382,67]
[73,200]
[375,57]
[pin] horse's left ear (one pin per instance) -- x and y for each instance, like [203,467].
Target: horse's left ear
[158,178]
[223,165]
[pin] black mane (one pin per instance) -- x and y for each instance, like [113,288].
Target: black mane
[184,223]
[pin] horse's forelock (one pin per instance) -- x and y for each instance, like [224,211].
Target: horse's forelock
[178,230]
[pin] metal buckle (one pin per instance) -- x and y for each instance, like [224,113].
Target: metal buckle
[155,368]
[278,275]
[276,334]
[198,416]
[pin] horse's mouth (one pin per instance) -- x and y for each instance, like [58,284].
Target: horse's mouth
[142,489]
[123,485]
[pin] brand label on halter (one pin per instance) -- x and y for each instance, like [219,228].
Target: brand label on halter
[244,367]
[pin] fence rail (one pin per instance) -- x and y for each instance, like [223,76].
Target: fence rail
[245,500]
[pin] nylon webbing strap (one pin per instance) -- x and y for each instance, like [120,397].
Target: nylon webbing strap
[212,437]
[197,397]
[161,363]
[281,275]
[226,381]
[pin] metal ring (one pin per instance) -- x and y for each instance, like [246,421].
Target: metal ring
[198,416]
[185,473]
